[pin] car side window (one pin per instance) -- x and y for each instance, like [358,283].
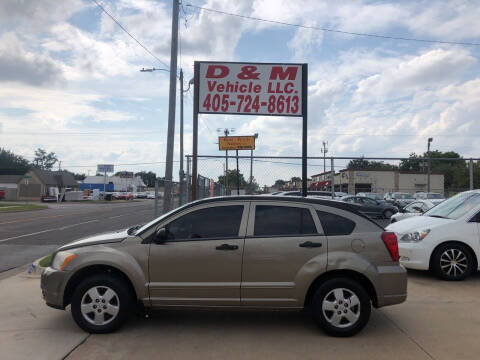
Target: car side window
[476,218]
[273,220]
[335,224]
[368,201]
[207,223]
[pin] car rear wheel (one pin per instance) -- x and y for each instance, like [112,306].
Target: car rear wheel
[341,307]
[452,262]
[101,303]
[387,214]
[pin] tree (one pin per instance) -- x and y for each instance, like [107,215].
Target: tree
[363,164]
[295,179]
[11,163]
[252,188]
[44,160]
[232,179]
[279,183]
[147,177]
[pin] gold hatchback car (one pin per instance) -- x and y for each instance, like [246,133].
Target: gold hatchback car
[245,252]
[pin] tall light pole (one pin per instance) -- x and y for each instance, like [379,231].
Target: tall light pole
[180,171]
[167,198]
[251,160]
[324,151]
[428,165]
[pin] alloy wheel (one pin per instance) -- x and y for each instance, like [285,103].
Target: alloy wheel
[453,262]
[341,307]
[100,305]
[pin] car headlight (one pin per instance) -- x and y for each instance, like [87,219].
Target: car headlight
[61,259]
[414,236]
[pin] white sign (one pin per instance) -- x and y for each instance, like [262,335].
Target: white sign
[105,168]
[250,89]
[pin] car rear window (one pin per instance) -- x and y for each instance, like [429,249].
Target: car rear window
[273,220]
[335,224]
[212,222]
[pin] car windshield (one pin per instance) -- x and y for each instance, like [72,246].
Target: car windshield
[434,196]
[402,196]
[373,196]
[456,206]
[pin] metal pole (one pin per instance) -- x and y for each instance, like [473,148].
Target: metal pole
[304,127]
[104,181]
[428,165]
[167,198]
[238,177]
[188,197]
[251,166]
[333,178]
[155,203]
[196,76]
[471,173]
[181,174]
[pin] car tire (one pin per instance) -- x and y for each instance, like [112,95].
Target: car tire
[387,214]
[101,303]
[452,262]
[341,307]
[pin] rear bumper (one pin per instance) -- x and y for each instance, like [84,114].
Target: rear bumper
[53,285]
[393,284]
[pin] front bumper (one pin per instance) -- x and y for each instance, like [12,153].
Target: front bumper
[53,284]
[414,255]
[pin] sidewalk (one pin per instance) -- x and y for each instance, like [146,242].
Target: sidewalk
[28,328]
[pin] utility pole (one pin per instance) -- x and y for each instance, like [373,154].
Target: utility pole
[324,151]
[251,160]
[428,165]
[181,174]
[226,132]
[167,200]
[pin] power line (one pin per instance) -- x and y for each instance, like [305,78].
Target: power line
[331,30]
[129,34]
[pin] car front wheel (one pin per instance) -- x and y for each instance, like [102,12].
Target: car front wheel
[341,307]
[452,262]
[101,303]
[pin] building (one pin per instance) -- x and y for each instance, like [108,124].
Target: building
[124,181]
[36,184]
[378,181]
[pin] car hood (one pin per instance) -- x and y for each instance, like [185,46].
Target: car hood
[106,238]
[416,222]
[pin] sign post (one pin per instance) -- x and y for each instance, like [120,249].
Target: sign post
[270,89]
[104,168]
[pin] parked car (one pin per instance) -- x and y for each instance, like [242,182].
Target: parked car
[122,196]
[445,240]
[2,194]
[435,198]
[372,207]
[371,195]
[206,254]
[140,195]
[416,208]
[399,199]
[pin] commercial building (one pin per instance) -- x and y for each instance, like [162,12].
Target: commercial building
[124,181]
[378,181]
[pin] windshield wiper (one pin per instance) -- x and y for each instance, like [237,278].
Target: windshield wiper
[438,216]
[133,229]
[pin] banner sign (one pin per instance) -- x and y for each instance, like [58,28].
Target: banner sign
[250,88]
[236,142]
[105,168]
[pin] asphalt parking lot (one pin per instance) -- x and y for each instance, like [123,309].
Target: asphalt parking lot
[439,321]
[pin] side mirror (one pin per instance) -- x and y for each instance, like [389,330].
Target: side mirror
[418,209]
[160,236]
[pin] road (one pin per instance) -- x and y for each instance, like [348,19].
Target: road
[27,236]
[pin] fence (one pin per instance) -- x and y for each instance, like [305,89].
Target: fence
[266,174]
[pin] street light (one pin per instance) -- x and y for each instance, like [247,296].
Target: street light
[428,170]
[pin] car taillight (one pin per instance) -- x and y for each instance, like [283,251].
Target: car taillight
[390,241]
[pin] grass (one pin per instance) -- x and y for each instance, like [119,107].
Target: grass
[16,207]
[46,261]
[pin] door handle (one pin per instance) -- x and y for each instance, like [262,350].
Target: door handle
[309,244]
[227,247]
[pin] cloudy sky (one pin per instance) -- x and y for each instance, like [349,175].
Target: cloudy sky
[70,79]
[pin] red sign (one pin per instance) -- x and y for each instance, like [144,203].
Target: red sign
[250,89]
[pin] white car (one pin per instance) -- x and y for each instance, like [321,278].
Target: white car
[416,208]
[434,197]
[445,240]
